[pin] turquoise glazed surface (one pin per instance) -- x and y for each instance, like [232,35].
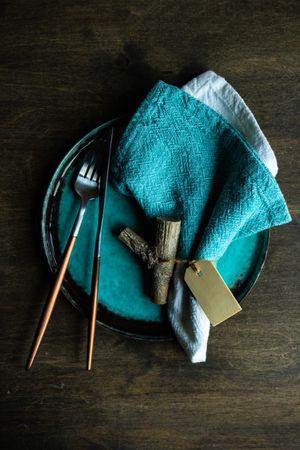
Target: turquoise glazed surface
[121,287]
[124,280]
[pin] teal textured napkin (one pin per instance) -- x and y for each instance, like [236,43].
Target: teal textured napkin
[180,158]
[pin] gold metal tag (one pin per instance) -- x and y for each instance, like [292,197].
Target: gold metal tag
[211,291]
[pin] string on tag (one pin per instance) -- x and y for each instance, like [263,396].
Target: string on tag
[175,261]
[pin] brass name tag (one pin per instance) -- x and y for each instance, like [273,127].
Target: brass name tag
[211,292]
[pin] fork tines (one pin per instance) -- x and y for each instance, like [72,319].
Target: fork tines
[89,171]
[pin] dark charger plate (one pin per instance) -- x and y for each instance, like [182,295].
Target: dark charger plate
[124,303]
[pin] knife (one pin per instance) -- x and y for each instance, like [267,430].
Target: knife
[97,257]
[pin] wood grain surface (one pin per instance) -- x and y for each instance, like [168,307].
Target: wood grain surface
[66,66]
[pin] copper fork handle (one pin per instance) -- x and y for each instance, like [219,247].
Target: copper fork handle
[46,315]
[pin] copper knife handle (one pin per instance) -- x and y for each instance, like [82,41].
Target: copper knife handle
[46,315]
[93,314]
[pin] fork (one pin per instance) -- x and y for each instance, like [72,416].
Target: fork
[87,187]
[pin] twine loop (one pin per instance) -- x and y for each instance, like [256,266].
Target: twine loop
[152,259]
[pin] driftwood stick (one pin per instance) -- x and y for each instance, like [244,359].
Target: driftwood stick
[166,243]
[161,257]
[139,246]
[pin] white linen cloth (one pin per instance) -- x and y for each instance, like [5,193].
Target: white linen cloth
[188,319]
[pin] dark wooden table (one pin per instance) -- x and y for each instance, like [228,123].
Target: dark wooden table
[66,66]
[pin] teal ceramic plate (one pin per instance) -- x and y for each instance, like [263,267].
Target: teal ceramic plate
[124,303]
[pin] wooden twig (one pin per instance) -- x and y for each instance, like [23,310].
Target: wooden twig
[139,246]
[161,257]
[166,243]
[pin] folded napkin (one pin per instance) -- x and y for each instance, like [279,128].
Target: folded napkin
[189,321]
[180,158]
